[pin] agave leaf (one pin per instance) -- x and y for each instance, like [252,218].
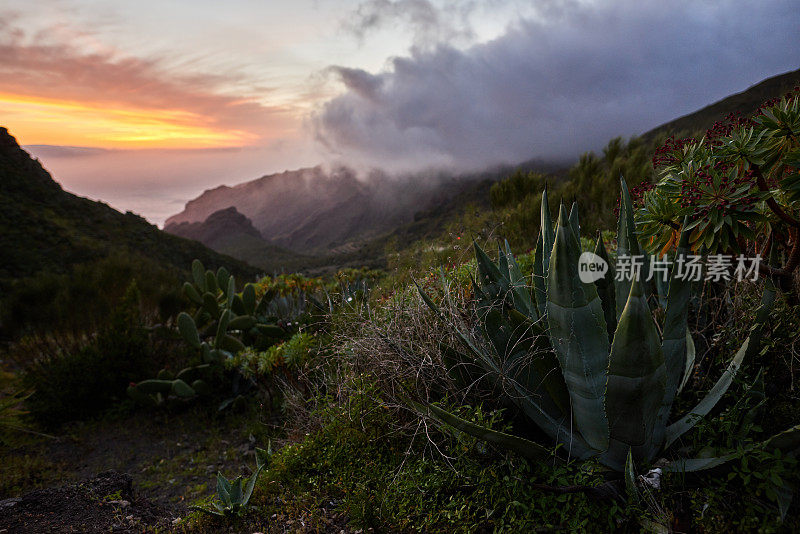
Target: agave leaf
[493,282]
[662,289]
[263,455]
[675,332]
[480,356]
[627,243]
[539,281]
[630,477]
[519,290]
[223,489]
[687,422]
[574,222]
[578,334]
[208,511]
[556,427]
[221,509]
[523,447]
[787,442]
[636,377]
[748,348]
[687,465]
[533,367]
[236,491]
[605,288]
[461,369]
[540,365]
[690,356]
[502,264]
[539,409]
[483,359]
[498,331]
[547,233]
[251,483]
[427,300]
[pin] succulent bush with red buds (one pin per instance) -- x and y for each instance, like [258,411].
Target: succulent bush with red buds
[737,189]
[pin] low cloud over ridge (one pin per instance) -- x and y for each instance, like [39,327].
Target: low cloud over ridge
[558,85]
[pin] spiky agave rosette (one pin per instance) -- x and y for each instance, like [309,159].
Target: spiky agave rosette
[585,361]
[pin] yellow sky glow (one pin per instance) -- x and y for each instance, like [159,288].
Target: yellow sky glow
[43,121]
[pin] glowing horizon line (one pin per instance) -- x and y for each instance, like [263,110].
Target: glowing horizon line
[106,126]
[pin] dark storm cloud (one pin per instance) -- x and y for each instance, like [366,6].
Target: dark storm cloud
[558,85]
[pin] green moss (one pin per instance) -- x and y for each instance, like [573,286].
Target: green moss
[359,467]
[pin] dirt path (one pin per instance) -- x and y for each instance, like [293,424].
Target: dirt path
[105,503]
[153,465]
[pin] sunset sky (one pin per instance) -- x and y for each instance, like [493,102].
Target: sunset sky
[145,104]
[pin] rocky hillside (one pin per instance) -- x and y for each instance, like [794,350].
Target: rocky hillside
[229,232]
[45,228]
[314,211]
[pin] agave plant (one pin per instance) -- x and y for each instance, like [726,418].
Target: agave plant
[233,496]
[585,361]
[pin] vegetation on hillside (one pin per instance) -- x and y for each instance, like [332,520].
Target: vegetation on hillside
[76,253]
[467,390]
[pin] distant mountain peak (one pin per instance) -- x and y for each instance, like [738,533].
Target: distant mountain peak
[304,210]
[220,224]
[231,217]
[230,232]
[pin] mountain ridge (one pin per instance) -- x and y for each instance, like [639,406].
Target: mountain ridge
[229,232]
[744,103]
[346,217]
[45,228]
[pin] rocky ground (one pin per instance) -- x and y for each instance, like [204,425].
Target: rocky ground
[104,503]
[129,472]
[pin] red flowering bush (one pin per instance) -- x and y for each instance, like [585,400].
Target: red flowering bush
[737,189]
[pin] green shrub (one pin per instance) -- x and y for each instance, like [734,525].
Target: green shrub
[516,188]
[47,301]
[737,189]
[357,464]
[80,383]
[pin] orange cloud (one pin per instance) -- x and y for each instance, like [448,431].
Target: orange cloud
[42,120]
[57,94]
